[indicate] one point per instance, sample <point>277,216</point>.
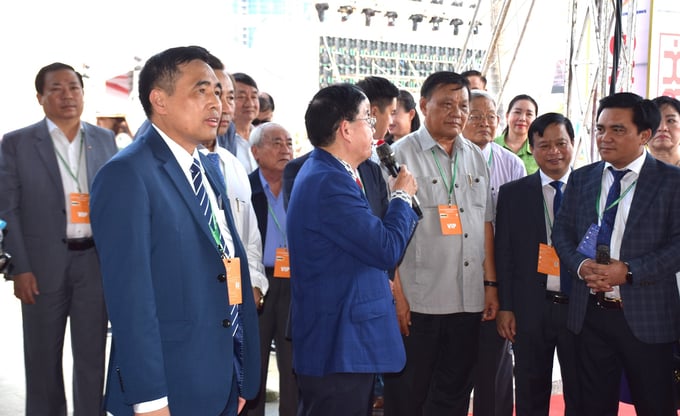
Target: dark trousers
<point>273,319</point>
<point>81,301</point>
<point>340,394</point>
<point>493,392</point>
<point>441,352</point>
<point>606,345</point>
<point>534,350</point>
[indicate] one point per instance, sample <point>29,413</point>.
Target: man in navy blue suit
<point>618,232</point>
<point>176,277</point>
<point>344,325</point>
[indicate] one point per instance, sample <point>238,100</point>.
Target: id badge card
<point>282,263</point>
<point>80,208</point>
<point>548,261</point>
<point>449,219</point>
<point>234,291</point>
<point>589,241</point>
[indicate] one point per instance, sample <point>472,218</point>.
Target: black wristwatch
<point>629,274</point>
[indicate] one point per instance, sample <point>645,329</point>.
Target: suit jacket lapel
<point>592,188</point>
<point>536,205</point>
<point>174,171</point>
<point>259,200</point>
<point>645,192</point>
<point>45,149</point>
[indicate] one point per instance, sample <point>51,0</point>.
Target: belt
<point>79,244</point>
<point>557,297</point>
<point>603,303</point>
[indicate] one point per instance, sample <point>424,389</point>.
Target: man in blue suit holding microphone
<point>343,321</point>
<point>176,280</point>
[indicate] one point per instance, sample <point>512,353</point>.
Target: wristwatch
<point>629,274</point>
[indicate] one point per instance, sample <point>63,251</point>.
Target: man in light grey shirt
<point>440,288</point>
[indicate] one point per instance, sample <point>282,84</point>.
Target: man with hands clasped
<point>618,233</point>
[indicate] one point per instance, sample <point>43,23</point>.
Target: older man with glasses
<point>493,393</point>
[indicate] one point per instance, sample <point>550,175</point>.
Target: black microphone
<point>602,254</point>
<point>387,159</point>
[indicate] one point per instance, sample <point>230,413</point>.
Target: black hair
<point>162,69</point>
<point>474,73</point>
<point>539,125</point>
<point>53,67</point>
<point>646,114</point>
<point>406,100</point>
<point>665,100</point>
<point>442,78</point>
<point>512,103</point>
<point>266,101</point>
<point>380,91</point>
<point>245,79</point>
<point>328,108</point>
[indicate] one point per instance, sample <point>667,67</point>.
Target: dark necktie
<point>557,200</point>
<point>565,277</point>
<point>604,236</point>
<point>204,202</point>
<point>214,159</point>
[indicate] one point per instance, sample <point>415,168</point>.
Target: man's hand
<point>26,287</point>
<point>505,325</point>
<point>403,308</point>
<point>405,181</point>
<point>491,304</point>
<point>241,404</point>
<point>160,412</point>
<point>259,298</point>
<point>602,277</point>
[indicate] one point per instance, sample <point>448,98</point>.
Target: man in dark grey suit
<point>46,171</point>
<point>618,232</point>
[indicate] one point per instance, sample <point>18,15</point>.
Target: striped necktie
<point>234,318</point>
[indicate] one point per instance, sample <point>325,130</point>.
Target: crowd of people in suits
<point>459,268</point>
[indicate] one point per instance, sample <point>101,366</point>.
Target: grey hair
<point>482,94</point>
<point>257,134</point>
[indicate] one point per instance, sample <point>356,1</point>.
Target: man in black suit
<point>272,148</point>
<point>624,306</point>
<point>533,291</point>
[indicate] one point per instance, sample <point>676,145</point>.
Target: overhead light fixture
<point>456,22</point>
<point>437,2</point>
<point>321,10</point>
<point>436,20</point>
<point>391,17</point>
<point>346,12</point>
<point>416,18</point>
<point>368,13</point>
<point>457,4</point>
<point>475,27</point>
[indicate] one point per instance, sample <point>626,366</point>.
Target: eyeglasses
<point>477,118</point>
<point>279,144</point>
<point>370,120</point>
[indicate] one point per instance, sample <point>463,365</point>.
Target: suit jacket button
<point>226,323</point>
<point>222,277</point>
